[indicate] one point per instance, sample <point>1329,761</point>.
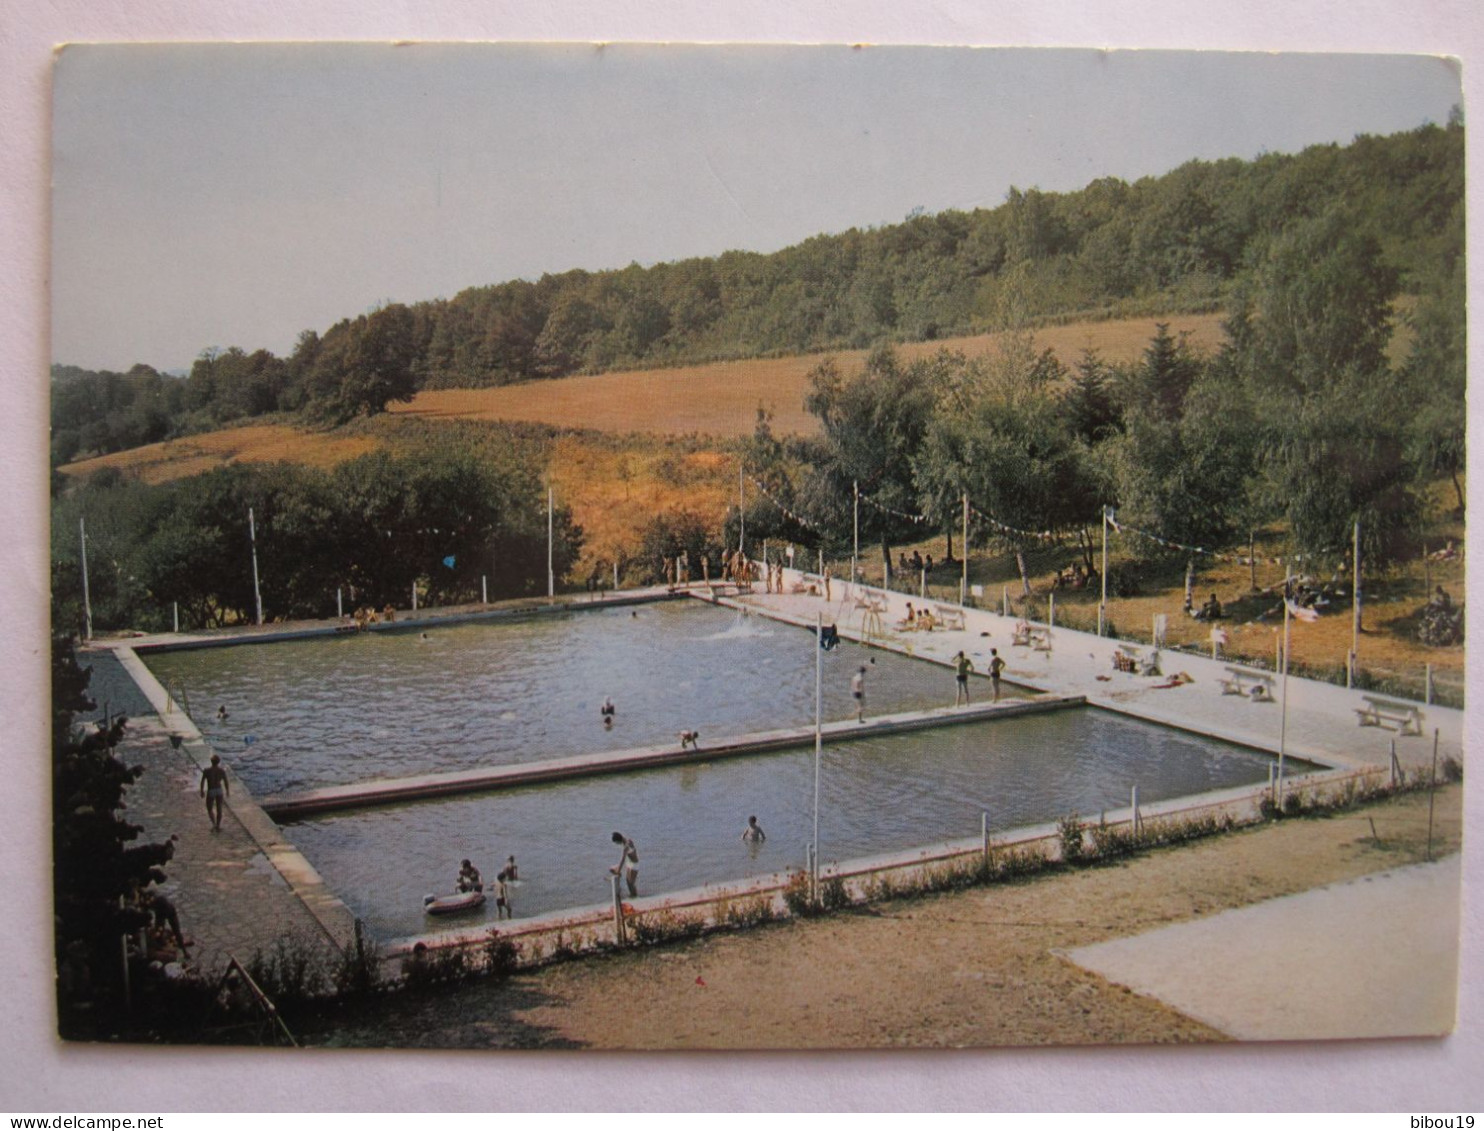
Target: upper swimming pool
<point>344,709</point>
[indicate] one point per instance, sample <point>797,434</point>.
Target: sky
<point>216,195</point>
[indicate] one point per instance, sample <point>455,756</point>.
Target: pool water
<point>344,709</point>
<point>876,795</point>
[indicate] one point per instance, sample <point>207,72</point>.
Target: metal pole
<point>855,551</point>
<point>1134,805</point>
<point>1355,624</point>
<point>87,602</point>
<point>339,603</point>
<point>818,734</point>
<point>1103,598</point>
<point>175,606</point>
<point>1427,687</point>
<point>619,931</point>
<point>1051,610</point>
<point>484,588</point>
<point>252,533</point>
<point>963,581</point>
<point>1283,722</point>
<point>414,596</point>
<point>1432,790</point>
<point>550,575</point>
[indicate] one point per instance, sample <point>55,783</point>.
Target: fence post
<point>1427,686</point>
<point>1004,600</point>
<point>1134,804</point>
<point>414,596</point>
<point>1432,789</point>
<point>339,604</point>
<point>620,930</point>
<point>1396,766</point>
<point>1051,610</point>
<point>484,589</point>
<point>176,605</point>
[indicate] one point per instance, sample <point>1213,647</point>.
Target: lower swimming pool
<point>877,795</point>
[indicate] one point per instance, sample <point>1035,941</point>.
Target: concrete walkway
<point>1322,725</point>
<point>239,891</point>
<point>1374,957</point>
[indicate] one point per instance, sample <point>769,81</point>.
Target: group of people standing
<point>471,881</point>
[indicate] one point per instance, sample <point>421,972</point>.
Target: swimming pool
<point>877,795</point>
<point>344,709</point>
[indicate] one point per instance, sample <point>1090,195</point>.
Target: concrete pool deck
<point>241,889</point>
<point>1322,722</point>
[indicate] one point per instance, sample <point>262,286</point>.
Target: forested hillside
<point>1188,240</point>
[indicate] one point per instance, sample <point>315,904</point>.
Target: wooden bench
<point>1255,685</point>
<point>1379,712</point>
<point>951,619</point>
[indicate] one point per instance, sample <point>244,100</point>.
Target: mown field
<point>722,399</point>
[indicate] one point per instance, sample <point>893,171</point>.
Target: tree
<point>1093,414</point>
<point>873,425</point>
<point>1308,336</point>
<point>360,367</point>
<point>1434,377</point>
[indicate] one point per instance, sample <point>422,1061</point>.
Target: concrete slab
<point>1375,957</point>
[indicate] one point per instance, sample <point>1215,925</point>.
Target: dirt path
<point>966,969</point>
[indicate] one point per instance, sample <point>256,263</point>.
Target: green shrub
<point>501,956</point>
<point>1073,847</point>
<point>359,971</point>
<point>797,895</point>
<point>833,894</point>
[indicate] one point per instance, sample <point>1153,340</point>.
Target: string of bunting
<point>788,512</point>
<point>1006,528</point>
<point>919,518</point>
<point>1169,543</point>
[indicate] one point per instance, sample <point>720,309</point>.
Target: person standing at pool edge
<point>628,863</point>
<point>858,689</point>
<point>963,666</point>
<point>996,666</point>
<point>215,787</point>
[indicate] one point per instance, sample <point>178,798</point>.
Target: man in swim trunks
<point>858,690</point>
<point>964,666</point>
<point>753,833</point>
<point>628,863</point>
<point>996,666</point>
<point>215,787</point>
